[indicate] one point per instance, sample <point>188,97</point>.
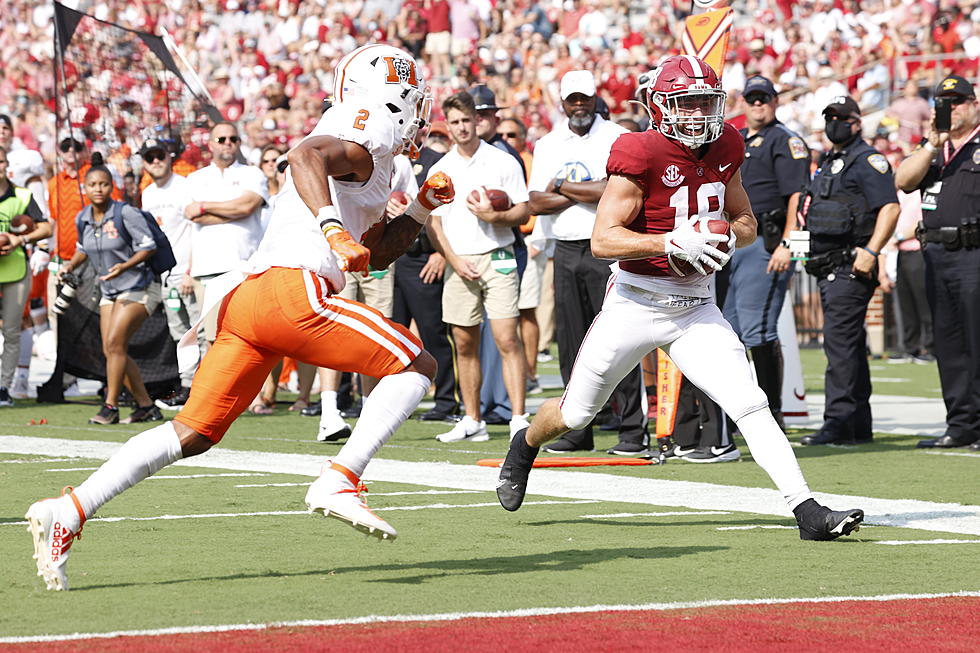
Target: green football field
<point>225,539</point>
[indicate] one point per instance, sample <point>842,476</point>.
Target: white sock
<point>26,346</point>
<point>390,404</point>
<point>328,401</point>
<point>771,450</point>
<point>140,457</point>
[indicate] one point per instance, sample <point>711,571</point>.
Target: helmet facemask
<point>694,116</point>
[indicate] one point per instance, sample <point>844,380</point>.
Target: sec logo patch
<point>672,176</point>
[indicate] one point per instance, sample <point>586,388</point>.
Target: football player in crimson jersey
<point>661,182</point>
<point>327,219</point>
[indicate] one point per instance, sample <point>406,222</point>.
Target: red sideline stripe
<point>943,625</point>
<point>570,462</point>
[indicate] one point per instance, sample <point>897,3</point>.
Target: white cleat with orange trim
<point>337,494</point>
<point>53,537</point>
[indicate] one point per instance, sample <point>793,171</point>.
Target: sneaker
<point>545,356</point>
<point>533,387</point>
<point>713,454</point>
<point>107,415</point>
<point>52,539</point>
<point>561,445</point>
<point>629,449</point>
<point>512,482</point>
<point>518,423</point>
<point>175,401</point>
<point>677,451</point>
<point>466,429</point>
<point>923,359</point>
<point>143,414</point>
<point>332,428</point>
<point>313,410</point>
<point>353,411</point>
<point>900,358</point>
<point>22,387</point>
<point>5,400</point>
<point>818,522</point>
<point>337,494</point>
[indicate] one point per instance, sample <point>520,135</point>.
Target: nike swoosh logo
<point>724,167</point>
<point>674,244</point>
<point>799,395</point>
<point>718,450</point>
<point>514,486</point>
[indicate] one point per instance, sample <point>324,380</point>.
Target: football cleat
<point>466,429</point>
<point>53,539</point>
<point>337,494</point>
<point>818,522</point>
<point>332,427</point>
<point>512,482</point>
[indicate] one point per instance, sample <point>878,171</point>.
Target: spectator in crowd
<point>15,277</point>
<point>567,181</point>
<point>226,202</point>
<point>943,169</point>
<point>130,291</point>
<point>477,243</point>
<point>910,284</point>
<point>851,210</point>
<point>438,38</point>
<point>165,199</point>
<point>912,112</point>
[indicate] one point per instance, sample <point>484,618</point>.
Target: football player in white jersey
<point>327,220</point>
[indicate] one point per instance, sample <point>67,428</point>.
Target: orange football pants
<point>287,312</point>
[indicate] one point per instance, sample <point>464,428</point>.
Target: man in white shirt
<point>227,201</point>
<point>165,199</point>
<point>477,242</point>
<point>567,180</point>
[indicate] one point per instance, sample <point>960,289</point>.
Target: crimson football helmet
<point>686,101</point>
<point>385,76</point>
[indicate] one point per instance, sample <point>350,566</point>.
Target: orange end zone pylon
<point>570,462</point>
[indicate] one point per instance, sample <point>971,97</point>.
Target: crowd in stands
<point>269,63</point>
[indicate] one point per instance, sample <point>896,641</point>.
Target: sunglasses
<point>222,139</point>
<point>153,157</point>
<point>264,161</point>
<point>71,145</point>
<point>509,134</point>
<point>760,98</point>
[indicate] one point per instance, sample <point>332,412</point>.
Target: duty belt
<point>966,236</point>
<point>821,265</point>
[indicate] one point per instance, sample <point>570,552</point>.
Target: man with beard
<point>566,183</point>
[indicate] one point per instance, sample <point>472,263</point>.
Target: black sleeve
<point>34,211</point>
<point>931,177</point>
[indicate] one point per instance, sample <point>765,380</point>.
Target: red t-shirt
<point>438,16</point>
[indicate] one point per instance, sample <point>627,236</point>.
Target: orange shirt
<point>65,200</point>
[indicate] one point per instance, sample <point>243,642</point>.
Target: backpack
<point>163,259</point>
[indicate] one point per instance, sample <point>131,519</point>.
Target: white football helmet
<point>387,76</point>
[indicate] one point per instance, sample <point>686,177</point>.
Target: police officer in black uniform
<point>850,209</point>
<point>946,168</point>
<point>776,169</point>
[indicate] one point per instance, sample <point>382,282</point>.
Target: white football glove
<point>696,248</point>
<point>39,261</point>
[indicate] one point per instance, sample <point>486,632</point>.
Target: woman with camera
<point>130,291</point>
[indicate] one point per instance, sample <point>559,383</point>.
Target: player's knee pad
<point>575,416</point>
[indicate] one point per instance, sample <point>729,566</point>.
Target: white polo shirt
<point>563,153</point>
<point>490,167</point>
<point>166,203</point>
<point>218,248</point>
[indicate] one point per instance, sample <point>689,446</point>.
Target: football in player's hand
<point>21,224</point>
<point>680,268</point>
<point>499,199</point>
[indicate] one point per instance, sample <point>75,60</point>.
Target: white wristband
<point>417,212</point>
<point>929,147</point>
<point>327,215</point>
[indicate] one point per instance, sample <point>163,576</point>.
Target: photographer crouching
<point>946,168</point>
<point>130,291</point>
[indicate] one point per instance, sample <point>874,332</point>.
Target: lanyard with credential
<point>947,146</point>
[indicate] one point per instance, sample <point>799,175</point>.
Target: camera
<point>66,292</point>
<point>944,111</point>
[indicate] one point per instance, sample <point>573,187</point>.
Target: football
<point>21,224</point>
<point>499,200</point>
<point>679,268</point>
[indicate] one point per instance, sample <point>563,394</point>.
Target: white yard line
<point>679,513</point>
<point>565,484</point>
<point>965,454</point>
<point>454,616</point>
<point>900,542</point>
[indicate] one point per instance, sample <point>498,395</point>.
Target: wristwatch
<point>785,243</point>
<point>558,183</point>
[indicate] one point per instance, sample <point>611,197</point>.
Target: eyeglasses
<point>69,145</point>
<point>509,134</point>
<point>153,157</point>
<point>264,161</point>
<point>760,98</point>
<point>220,140</point>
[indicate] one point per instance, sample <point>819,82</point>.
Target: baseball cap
<point>955,85</point>
<point>759,84</point>
<point>483,97</point>
<point>843,106</point>
<point>577,81</point>
<point>439,127</point>
<point>152,145</point>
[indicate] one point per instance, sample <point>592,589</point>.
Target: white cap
<point>24,164</point>
<point>577,81</point>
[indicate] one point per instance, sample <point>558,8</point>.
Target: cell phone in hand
<point>943,114</point>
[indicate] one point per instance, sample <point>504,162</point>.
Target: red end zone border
<point>947,624</point>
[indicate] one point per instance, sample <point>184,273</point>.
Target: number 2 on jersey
<point>710,203</point>
<point>362,115</point>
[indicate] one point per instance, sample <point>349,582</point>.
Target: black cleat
<point>512,484</point>
<point>821,523</point>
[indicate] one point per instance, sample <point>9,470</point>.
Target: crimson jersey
<point>677,185</point>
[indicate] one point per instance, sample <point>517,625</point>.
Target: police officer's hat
<point>843,106</point>
<point>955,85</point>
<point>759,84</point>
<point>483,97</point>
